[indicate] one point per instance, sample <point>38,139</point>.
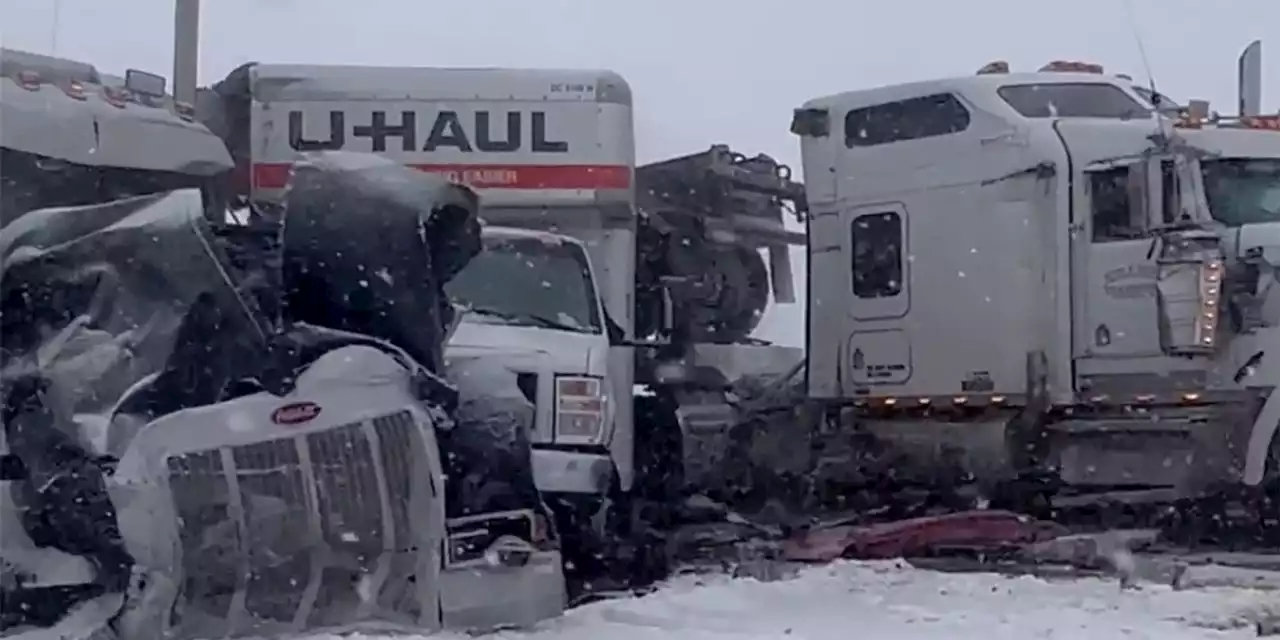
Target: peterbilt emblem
<point>295,413</point>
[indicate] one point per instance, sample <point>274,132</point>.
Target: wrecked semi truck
<point>672,253</point>
<point>1045,282</point>
<point>181,462</point>
<point>70,139</point>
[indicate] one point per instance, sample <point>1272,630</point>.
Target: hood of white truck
<point>532,347</point>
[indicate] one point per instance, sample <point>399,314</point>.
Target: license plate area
<point>469,537</point>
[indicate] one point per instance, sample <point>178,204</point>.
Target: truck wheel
<point>657,491</point>
<point>581,546</point>
<point>1269,497</point>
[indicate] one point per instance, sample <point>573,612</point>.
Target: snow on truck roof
<point>1235,142</point>
<point>973,85</point>
<point>343,82</point>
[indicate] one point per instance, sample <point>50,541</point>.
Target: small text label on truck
<point>295,413</point>
<point>447,130</point>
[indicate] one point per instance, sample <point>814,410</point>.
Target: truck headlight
<point>580,408</point>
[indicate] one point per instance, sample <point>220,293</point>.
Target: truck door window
<point>1113,211</point>
<point>936,115</point>
<point>877,241</point>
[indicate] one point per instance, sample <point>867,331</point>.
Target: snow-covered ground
<point>892,601</point>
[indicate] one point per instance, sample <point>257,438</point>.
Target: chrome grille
<point>299,532</point>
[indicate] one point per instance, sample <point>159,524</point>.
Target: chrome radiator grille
<point>299,532</point>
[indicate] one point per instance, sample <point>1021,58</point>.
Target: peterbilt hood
<point>535,347</point>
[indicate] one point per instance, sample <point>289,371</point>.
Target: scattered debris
<point>986,532</point>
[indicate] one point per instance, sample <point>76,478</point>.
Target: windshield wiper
<point>524,318</point>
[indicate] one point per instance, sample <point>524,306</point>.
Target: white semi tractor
<point>1045,275</point>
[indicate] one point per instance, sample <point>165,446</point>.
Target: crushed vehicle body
<point>258,473</point>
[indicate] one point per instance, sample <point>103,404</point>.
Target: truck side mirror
<point>611,328</point>
<point>811,123</point>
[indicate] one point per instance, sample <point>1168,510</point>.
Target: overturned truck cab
<point>264,472</point>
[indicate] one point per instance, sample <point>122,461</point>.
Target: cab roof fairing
<point>979,90</point>
<point>46,121</point>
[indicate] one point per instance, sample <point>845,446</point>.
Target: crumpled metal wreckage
<point>181,463</point>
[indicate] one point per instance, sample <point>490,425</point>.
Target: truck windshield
<point>530,281</point>
<point>1243,191</point>
<point>1073,100</point>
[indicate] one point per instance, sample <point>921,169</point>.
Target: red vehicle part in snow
<point>989,531</point>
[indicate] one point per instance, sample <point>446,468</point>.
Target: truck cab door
<point>878,352</point>
<point>1115,308</point>
<point>1117,304</point>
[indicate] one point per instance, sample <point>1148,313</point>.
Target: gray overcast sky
<point>703,71</point>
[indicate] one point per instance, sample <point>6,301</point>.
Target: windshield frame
<point>593,323</point>
<point>1167,104</point>
<point>1219,205</point>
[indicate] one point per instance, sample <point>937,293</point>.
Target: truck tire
<point>581,547</point>
<point>658,487</point>
<point>1269,500</point>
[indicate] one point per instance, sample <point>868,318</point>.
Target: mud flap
<point>705,428</point>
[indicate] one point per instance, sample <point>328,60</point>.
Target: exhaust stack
<point>1249,82</point>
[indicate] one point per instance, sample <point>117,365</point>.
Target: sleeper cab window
<point>877,243</point>
<point>912,119</point>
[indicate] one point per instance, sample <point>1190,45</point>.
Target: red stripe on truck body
<point>275,175</point>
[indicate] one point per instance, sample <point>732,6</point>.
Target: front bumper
<point>478,599</point>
